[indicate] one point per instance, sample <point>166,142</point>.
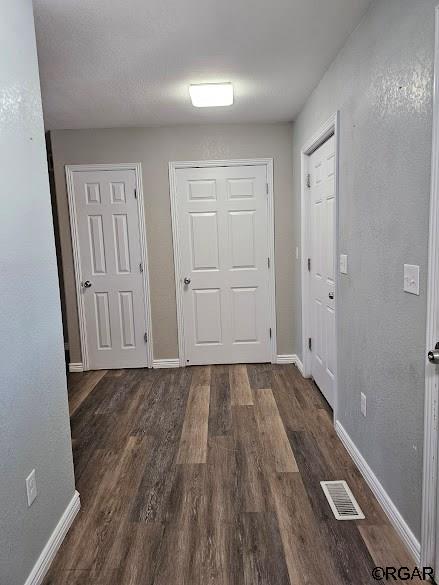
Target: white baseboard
<point>299,365</point>
<point>290,359</point>
<point>49,551</point>
<point>167,363</point>
<point>381,495</point>
<point>76,367</point>
<point>175,363</point>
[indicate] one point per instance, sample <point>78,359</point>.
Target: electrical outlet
<point>31,487</point>
<point>363,404</point>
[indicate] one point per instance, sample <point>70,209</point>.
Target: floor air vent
<point>341,500</point>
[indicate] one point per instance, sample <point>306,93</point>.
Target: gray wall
<point>34,422</point>
<point>154,148</point>
<point>382,84</point>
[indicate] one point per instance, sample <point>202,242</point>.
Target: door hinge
<point>135,193</point>
<point>268,262</point>
<point>309,343</point>
<point>266,188</point>
<point>145,337</point>
<point>270,332</point>
<point>308,180</point>
<point>309,264</point>
<point>141,267</point>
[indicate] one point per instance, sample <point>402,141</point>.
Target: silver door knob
<point>186,280</point>
<point>87,284</point>
<point>331,295</point>
<point>433,356</point>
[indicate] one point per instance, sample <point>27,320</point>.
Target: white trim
<point>137,168</point>
<point>430,471</point>
<point>381,495</point>
<point>280,359</point>
<point>329,128</point>
<point>173,166</point>
<point>299,365</point>
<point>271,253</point>
<point>76,367</point>
<point>290,359</point>
<point>177,263</point>
<point>166,363</point>
<point>145,263</point>
<point>46,557</point>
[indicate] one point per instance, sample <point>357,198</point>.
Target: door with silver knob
<point>112,311</point>
<point>433,355</point>
<point>225,263</point>
<point>322,203</point>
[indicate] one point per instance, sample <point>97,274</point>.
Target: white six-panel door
<point>112,286</point>
<point>322,228</point>
<point>224,257</point>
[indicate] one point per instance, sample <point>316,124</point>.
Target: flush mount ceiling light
<point>209,95</point>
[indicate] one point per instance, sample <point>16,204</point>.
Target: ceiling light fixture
<point>209,95</point>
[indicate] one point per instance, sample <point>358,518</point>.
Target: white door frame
<point>430,471</point>
<point>173,166</point>
<point>137,168</point>
<point>329,128</point>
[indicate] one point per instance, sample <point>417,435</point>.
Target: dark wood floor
<point>210,475</point>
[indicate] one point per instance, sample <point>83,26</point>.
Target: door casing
<point>329,128</point>
<point>173,166</point>
<point>137,168</point>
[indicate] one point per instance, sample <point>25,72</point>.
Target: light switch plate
<point>411,279</point>
<point>343,263</point>
<point>31,487</point>
<point>363,404</point>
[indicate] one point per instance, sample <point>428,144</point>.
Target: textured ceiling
<point>107,63</point>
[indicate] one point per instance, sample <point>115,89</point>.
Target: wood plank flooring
<point>210,476</point>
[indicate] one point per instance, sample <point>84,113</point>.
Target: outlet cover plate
<point>343,264</point>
